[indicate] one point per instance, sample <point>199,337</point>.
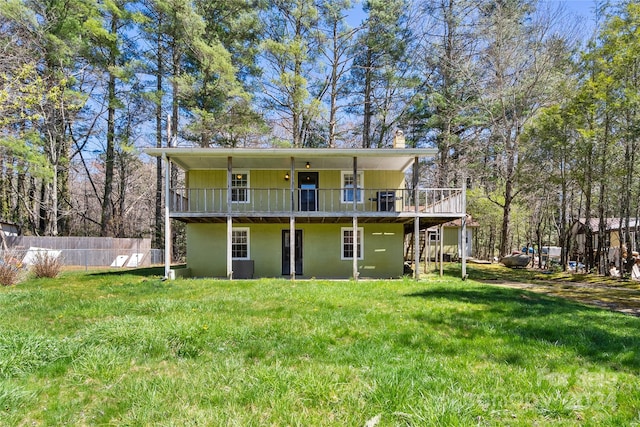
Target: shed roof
<point>609,223</point>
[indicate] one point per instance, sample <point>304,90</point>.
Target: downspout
<point>167,220</point>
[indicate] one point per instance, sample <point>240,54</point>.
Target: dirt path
<point>618,298</point>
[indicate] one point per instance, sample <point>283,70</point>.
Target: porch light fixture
<point>308,165</point>
<point>286,176</point>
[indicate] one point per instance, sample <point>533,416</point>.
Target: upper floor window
<point>240,187</point>
<point>351,188</point>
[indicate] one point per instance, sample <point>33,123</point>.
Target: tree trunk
<point>64,194</point>
<point>42,210</point>
<point>297,119</point>
<point>157,237</point>
<point>32,197</point>
<point>333,107</point>
<point>19,211</point>
<point>53,219</point>
<point>508,197</point>
<point>588,235</point>
<point>629,162</point>
<point>492,241</point>
<point>565,230</point>
<point>122,197</point>
<point>107,212</point>
<point>4,190</point>
<point>366,116</point>
<point>173,137</point>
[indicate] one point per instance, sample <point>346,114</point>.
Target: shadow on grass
<point>595,334</point>
<point>143,272</point>
<point>490,272</point>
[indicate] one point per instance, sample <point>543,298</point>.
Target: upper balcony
<point>211,204</point>
<point>308,184</point>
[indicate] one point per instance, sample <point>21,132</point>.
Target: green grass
<point>616,294</point>
<point>129,349</point>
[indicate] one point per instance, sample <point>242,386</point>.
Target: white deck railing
<point>263,201</point>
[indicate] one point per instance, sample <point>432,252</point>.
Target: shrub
<point>11,268</point>
<point>46,264</point>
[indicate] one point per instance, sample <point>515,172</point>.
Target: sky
<point>581,7</point>
<point>583,10</point>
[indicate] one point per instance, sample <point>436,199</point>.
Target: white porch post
<point>229,247</point>
<point>441,250</point>
<point>167,220</point>
<point>355,248</point>
<point>464,228</point>
<point>355,219</point>
<point>427,256</point>
<point>416,221</point>
<point>229,220</point>
<point>292,223</point>
<point>416,246</point>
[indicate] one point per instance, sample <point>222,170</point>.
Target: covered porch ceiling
<point>407,220</point>
<point>399,159</point>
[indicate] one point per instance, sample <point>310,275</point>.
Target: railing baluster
<point>436,201</point>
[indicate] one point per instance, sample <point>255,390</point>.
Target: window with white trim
<point>240,187</point>
<point>347,243</point>
<point>348,187</point>
<point>240,243</point>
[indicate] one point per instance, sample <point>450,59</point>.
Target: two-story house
<point>323,213</point>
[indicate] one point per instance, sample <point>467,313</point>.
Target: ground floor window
<point>240,243</point>
<point>347,243</point>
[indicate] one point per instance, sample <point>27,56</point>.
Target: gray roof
<point>609,223</point>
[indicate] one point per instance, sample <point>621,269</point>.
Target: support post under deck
<point>167,220</point>
<point>355,219</point>
<point>416,221</point>
<point>292,225</point>
<point>229,220</point>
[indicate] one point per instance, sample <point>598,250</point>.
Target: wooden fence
<point>89,251</point>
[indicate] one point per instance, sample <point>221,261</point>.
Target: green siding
<point>450,243</point>
<point>207,178</point>
<point>206,250</point>
<point>206,243</point>
<point>383,179</point>
<point>269,191</point>
<point>376,180</point>
<point>383,250</point>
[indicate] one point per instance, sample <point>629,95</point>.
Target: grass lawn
<point>129,349</point>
